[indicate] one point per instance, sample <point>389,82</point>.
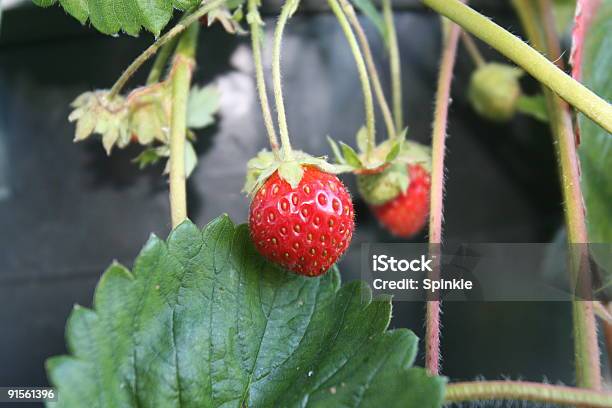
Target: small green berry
<point>494,91</point>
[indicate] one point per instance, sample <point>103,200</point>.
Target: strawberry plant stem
<point>369,60</point>
<point>447,63</point>
<point>286,12</point>
<point>586,348</point>
<point>184,60</point>
<point>161,60</point>
<point>526,391</point>
<point>254,20</point>
<point>153,48</point>
<point>363,75</point>
<point>395,66</point>
<point>529,59</point>
<point>472,49</point>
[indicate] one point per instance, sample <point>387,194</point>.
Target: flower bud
<point>494,91</point>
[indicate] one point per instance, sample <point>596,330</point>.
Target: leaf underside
<point>112,16</point>
<point>204,321</point>
<point>596,144</point>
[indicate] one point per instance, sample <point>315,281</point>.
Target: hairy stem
<point>472,49</point>
<point>395,66</point>
<point>526,391</point>
<point>184,60</point>
<point>153,48</point>
<point>287,11</point>
<point>254,20</point>
<point>363,75</point>
<point>542,35</point>
<point>369,59</point>
<point>529,59</point>
<point>447,63</point>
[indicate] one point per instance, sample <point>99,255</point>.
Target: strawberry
<point>303,229</point>
<point>406,214</point>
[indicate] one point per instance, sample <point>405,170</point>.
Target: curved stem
<point>255,23</point>
<point>363,75</point>
<point>526,391</point>
<point>395,67</point>
<point>527,58</point>
<point>472,49</point>
<point>369,60</point>
<point>180,82</point>
<point>149,52</point>
<point>287,11</point>
<point>447,63</point>
<point>540,31</point>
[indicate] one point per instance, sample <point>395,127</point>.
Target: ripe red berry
<point>406,214</point>
<point>304,229</point>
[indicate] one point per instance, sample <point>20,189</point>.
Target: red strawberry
<point>406,214</point>
<point>304,229</point>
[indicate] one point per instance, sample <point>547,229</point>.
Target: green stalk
<point>447,63</point>
<point>526,391</point>
<point>472,49</point>
<point>363,75</point>
<point>395,67</point>
<point>180,80</point>
<point>586,348</point>
<point>153,48</point>
<point>529,59</point>
<point>369,59</point>
<point>286,12</point>
<point>254,20</point>
<point>160,61</point>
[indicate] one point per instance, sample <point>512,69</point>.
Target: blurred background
<point>67,210</point>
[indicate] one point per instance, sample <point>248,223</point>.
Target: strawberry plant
<point>254,315</point>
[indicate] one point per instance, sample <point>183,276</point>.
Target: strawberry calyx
<point>382,175</point>
<point>291,169</point>
<point>384,186</point>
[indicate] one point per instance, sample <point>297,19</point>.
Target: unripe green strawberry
<point>303,229</point>
<point>494,91</point>
<point>378,188</point>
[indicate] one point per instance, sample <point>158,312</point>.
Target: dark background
<point>67,210</point>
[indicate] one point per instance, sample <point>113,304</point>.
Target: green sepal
<point>362,139</point>
<point>382,187</point>
<point>534,106</point>
<point>350,156</point>
<point>379,188</point>
<point>262,166</point>
<point>336,150</point>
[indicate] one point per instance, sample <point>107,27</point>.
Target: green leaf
<point>368,8</point>
<point>112,16</point>
<point>350,156</point>
<point>596,144</point>
<point>204,321</point>
<point>202,105</point>
<point>534,106</point>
